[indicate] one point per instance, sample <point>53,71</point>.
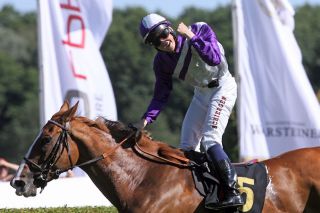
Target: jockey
<point>195,56</point>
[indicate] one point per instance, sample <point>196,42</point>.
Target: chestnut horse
<point>134,182</point>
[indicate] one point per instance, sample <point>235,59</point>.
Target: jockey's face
<point>167,44</point>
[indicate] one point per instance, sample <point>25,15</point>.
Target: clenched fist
<point>185,31</point>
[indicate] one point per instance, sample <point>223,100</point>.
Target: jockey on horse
<point>194,55</point>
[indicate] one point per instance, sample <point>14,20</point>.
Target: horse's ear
<point>71,112</point>
<point>65,106</point>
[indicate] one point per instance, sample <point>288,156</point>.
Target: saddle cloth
<point>252,179</point>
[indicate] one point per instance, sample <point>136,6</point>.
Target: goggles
<point>160,32</point>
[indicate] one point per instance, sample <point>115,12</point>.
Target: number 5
<point>249,192</point>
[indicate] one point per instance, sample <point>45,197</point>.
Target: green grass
<point>63,210</point>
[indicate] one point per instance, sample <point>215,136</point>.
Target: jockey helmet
<point>151,26</point>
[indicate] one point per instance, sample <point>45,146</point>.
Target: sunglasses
<point>158,34</point>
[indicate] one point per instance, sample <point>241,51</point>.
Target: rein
<point>49,163</point>
<point>186,162</point>
<point>104,155</point>
<point>100,157</point>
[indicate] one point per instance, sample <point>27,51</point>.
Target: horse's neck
<point>119,173</point>
<point>125,178</point>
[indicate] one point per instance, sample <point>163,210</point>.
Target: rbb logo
<point>74,40</point>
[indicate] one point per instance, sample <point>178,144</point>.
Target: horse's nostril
<point>19,183</point>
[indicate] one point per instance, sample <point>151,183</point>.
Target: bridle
<point>43,171</point>
<point>47,168</point>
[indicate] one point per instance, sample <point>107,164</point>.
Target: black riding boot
<point>228,178</point>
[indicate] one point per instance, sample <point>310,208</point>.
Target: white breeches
<point>208,115</point>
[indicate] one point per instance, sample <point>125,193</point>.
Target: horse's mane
<point>113,124</point>
<point>120,127</point>
<point>118,130</point>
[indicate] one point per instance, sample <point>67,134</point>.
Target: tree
<point>18,83</point>
<point>129,63</point>
<point>307,32</point>
<point>18,109</point>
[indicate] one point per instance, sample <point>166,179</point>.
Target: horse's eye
<point>46,139</point>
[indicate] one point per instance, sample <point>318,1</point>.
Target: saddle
<point>252,176</point>
<point>252,180</point>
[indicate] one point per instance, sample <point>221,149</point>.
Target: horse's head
<point>52,152</point>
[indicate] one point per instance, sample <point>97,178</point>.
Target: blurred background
<point>129,63</point>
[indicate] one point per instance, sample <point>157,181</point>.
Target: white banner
<point>277,108</point>
<point>70,35</point>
